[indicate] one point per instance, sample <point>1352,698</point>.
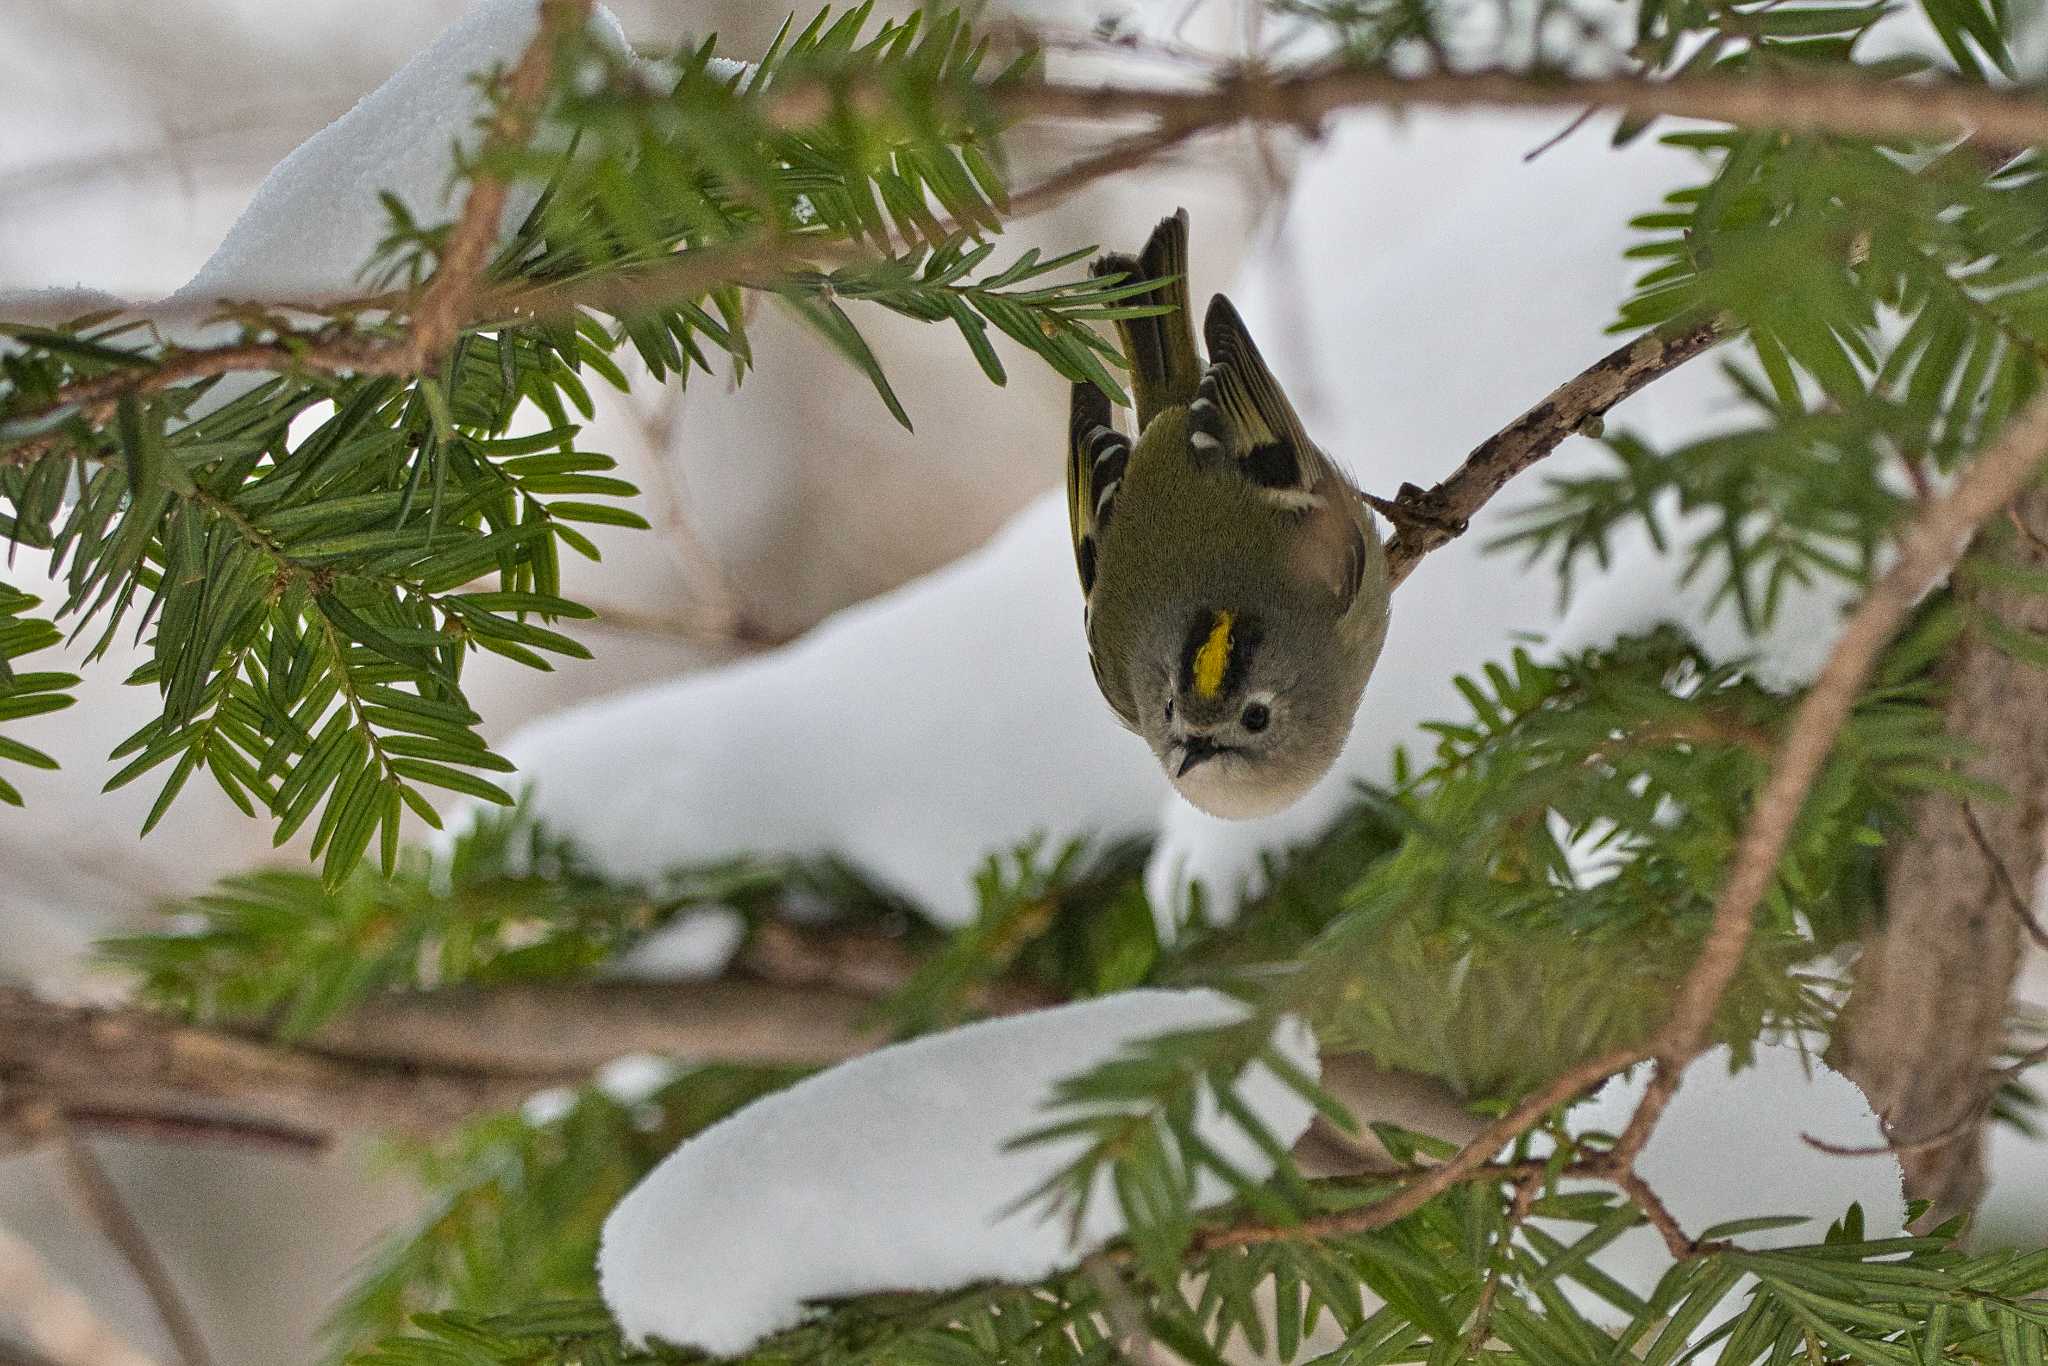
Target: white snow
<point>633,1078</point>
<point>316,218</point>
<point>694,945</point>
<point>543,1108</point>
<point>912,735</point>
<point>889,1172</point>
<point>1642,589</point>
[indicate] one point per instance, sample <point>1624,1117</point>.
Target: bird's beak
<point>1196,749</point>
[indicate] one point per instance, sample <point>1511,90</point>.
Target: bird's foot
<point>1418,509</point>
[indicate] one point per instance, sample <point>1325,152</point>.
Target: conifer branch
<point>1927,549</point>
<point>445,305</point>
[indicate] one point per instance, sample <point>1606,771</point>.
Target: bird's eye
<point>1256,717</point>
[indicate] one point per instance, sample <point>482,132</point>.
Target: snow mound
<point>889,1172</point>
<point>911,735</point>
<point>317,217</point>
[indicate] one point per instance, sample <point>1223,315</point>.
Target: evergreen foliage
<point>313,557</point>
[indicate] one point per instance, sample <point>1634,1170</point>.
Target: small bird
<point>1236,587</point>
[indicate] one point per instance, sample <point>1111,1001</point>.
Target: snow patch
<point>889,1172</point>
<point>691,947</point>
<point>910,735</point>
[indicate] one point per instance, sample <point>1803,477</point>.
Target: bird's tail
<point>1165,368</point>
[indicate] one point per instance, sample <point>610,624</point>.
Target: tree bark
<point>1933,987</point>
<point>412,1064</point>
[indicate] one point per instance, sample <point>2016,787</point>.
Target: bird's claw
<point>1417,509</point>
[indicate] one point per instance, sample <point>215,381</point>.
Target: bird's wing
<point>1242,423</point>
<point>1097,454</point>
<point>1161,349</point>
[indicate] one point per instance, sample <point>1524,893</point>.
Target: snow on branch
<point>898,1171</point>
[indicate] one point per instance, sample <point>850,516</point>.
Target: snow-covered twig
<point>444,307</point>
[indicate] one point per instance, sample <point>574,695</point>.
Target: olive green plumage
<point>1236,587</point>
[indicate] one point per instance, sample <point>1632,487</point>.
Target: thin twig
<point>1677,1242</point>
<point>110,1213</point>
<point>1948,1133</point>
<point>1446,509</point>
<point>1526,1191</point>
<point>2033,1057</point>
<point>1584,116</point>
<point>59,1323</point>
<point>1469,1163</point>
<point>2003,876</point>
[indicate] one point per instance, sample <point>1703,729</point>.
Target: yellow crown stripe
<point>1213,658</point>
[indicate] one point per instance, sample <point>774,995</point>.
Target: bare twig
<point>1962,1125</point>
<point>1470,1163</point>
<point>102,1200</point>
<point>1526,1191</point>
<point>1798,102</point>
<point>2003,875</point>
<point>1676,1241</point>
<point>1446,508</point>
<point>415,1063</point>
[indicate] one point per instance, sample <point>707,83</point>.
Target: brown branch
<point>1928,1017</point>
<point>1470,1163</point>
<point>2007,885</point>
<point>102,1200</point>
<point>1931,544</point>
<point>1526,1191</point>
<point>1447,508</point>
<point>1809,101</point>
<point>408,1063</point>
<point>548,1032</point>
<point>1795,101</point>
<point>1677,1242</point>
<point>445,306</point>
<point>1960,1126</point>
